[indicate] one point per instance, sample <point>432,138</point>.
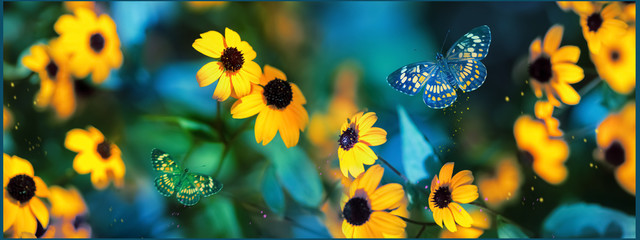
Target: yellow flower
<point>66,203</point>
<point>367,209</point>
<point>565,5</point>
<point>204,5</point>
<point>97,156</point>
<point>278,104</point>
<point>616,63</point>
<point>356,137</point>
<point>543,111</point>
<point>502,187</point>
<point>545,153</point>
<point>73,5</point>
<point>92,43</point>
<point>599,24</point>
<point>447,193</point>
<point>616,138</point>
<point>481,222</point>
<point>235,70</point>
<point>21,197</point>
<point>7,117</point>
<point>56,85</point>
<point>324,126</point>
<point>629,12</point>
<point>552,69</point>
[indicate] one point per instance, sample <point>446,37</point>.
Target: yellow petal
<point>271,73</point>
<point>40,211</point>
<point>64,98</point>
<point>567,94</point>
<point>366,121</point>
<point>437,215</point>
<point>41,187</point>
<point>537,89</point>
<point>300,114</point>
<point>232,39</point>
<point>460,215</point>
<point>247,51</point>
<point>297,94</point>
<point>78,140</point>
<point>209,73</point>
<point>345,162</point>
<point>210,44</point>
<point>465,194</point>
<point>371,178</point>
<point>445,173</point>
<point>387,223</point>
<point>374,137</point>
<point>366,155</point>
<point>241,86</point>
<point>461,178</point>
<point>100,72</point>
<point>223,89</point>
<point>248,106</point>
<point>447,218</point>
<point>535,49</point>
<point>25,222</point>
<point>347,229</point>
<point>611,11</point>
<point>387,197</point>
<point>99,179</point>
<point>20,166</point>
<point>269,122</point>
<point>251,71</point>
<point>288,130</point>
<point>356,168</point>
<point>543,109</point>
<point>10,212</point>
<point>552,39</point>
<point>566,54</point>
<point>568,72</point>
<point>37,60</point>
<point>85,162</point>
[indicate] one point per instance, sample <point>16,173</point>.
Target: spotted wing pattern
<point>438,93</point>
<point>472,46</point>
<point>410,78</point>
<point>469,75</point>
<point>208,185</point>
<point>166,183</point>
<point>189,191</point>
<point>162,162</point>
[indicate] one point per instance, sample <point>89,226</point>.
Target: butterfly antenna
<point>445,40</point>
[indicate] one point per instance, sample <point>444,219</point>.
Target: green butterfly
<point>188,186</point>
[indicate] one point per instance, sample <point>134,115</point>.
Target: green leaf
<point>611,99</point>
<point>588,220</point>
<point>197,128</point>
<point>418,157</point>
<point>272,192</point>
<point>205,159</point>
<point>508,230</point>
<point>217,220</point>
<point>296,173</point>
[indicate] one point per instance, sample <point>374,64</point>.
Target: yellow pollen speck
<point>14,97</point>
<point>596,166</point>
<point>532,188</point>
<point>573,137</point>
<point>541,199</point>
<point>12,85</point>
<point>596,131</point>
<point>590,164</point>
<point>467,108</point>
<point>509,194</point>
<point>585,140</point>
<point>521,93</point>
<point>506,98</point>
<point>535,177</point>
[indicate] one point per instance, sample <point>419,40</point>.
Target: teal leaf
<point>611,99</point>
<point>296,173</point>
<point>272,192</point>
<point>588,220</point>
<point>508,230</point>
<point>418,157</point>
<point>197,128</point>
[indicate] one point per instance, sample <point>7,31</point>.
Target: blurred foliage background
<point>329,49</point>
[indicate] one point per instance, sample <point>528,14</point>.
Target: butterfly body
<point>187,186</point>
<point>461,68</point>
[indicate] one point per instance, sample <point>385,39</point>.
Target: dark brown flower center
<point>52,69</point>
<point>22,188</point>
<point>348,138</point>
<point>594,22</point>
<point>614,154</point>
<point>232,59</point>
<point>526,158</point>
<point>540,69</point>
<point>357,211</point>
<point>79,220</point>
<point>442,197</point>
<point>278,93</point>
<point>104,149</point>
<point>96,42</point>
<point>615,55</point>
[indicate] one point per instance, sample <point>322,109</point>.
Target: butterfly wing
<point>162,162</point>
<point>208,185</point>
<point>472,46</point>
<point>410,78</point>
<point>166,183</point>
<point>438,93</point>
<point>194,186</point>
<point>469,74</point>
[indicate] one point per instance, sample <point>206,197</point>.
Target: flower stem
<point>494,213</point>
<point>417,222</point>
<point>393,169</point>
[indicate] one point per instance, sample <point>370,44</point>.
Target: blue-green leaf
<point>588,220</point>
<point>296,173</point>
<point>508,230</point>
<point>418,157</point>
<point>272,192</point>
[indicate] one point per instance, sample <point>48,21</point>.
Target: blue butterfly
<point>461,67</point>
